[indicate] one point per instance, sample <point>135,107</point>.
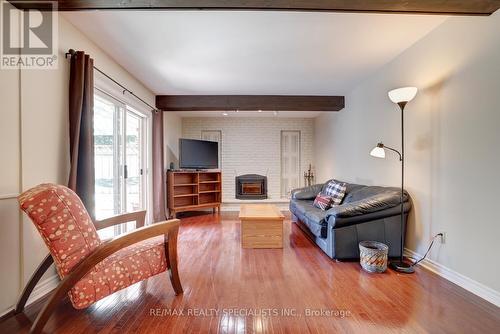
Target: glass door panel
<point>106,151</point>
<point>119,146</point>
<point>134,163</point>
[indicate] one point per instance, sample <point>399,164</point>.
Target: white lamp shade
<point>405,94</point>
<point>378,152</point>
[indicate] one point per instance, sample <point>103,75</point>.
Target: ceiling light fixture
<point>259,110</point>
<point>225,114</point>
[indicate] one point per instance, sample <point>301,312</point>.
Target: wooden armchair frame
<point>169,229</point>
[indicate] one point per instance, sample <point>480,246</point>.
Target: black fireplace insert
<point>251,186</point>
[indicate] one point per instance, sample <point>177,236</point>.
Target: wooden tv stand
<point>193,190</point>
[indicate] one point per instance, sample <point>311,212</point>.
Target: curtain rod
<point>72,52</point>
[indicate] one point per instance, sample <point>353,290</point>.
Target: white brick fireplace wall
<point>252,146</point>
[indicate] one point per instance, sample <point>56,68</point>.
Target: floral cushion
<point>122,269</point>
<point>63,222</point>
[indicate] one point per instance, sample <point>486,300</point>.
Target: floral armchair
<point>91,269</point>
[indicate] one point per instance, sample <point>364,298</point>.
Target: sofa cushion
<point>120,270</point>
<point>300,207</point>
<point>315,221</point>
<point>310,216</point>
<point>63,222</point>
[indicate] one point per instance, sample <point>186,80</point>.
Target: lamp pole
<point>400,265</point>
<point>402,107</point>
<point>400,96</point>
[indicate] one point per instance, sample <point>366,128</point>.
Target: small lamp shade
<point>378,152</point>
<point>405,94</point>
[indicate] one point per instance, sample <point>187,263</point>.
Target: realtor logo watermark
<point>29,36</point>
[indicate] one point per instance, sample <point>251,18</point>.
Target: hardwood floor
<point>253,289</point>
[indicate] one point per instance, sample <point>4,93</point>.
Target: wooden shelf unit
<point>193,190</point>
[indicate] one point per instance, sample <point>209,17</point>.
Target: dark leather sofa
<point>366,213</point>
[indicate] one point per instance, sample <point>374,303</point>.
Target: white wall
<point>35,118</point>
<point>252,146</point>
<point>452,142</point>
<point>10,247</point>
<point>172,131</point>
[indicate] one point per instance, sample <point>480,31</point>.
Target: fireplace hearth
<point>251,186</point>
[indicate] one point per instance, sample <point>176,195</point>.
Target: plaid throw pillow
<point>323,202</point>
<point>336,191</point>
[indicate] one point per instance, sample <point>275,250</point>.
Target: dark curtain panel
<point>159,213</point>
<point>81,129</point>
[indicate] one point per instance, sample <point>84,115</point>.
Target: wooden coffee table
<point>261,226</point>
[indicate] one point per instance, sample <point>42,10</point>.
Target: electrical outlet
<point>442,237</point>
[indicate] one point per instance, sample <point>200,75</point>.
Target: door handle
<point>125,172</point>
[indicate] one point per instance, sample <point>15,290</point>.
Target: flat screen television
<point>198,154</point>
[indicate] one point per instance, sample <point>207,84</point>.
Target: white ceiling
<point>233,52</point>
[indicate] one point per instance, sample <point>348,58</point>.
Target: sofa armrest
<point>367,205</point>
<point>337,222</point>
<point>138,217</point>
<point>306,193</point>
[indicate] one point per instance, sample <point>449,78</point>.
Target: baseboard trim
<point>41,289</point>
<point>6,314</point>
<point>462,281</point>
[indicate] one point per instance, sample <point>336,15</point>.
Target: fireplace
<point>251,186</point>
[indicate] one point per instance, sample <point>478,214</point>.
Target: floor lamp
<point>401,97</point>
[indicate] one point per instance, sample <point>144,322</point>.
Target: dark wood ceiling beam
<point>249,102</point>
<point>448,7</point>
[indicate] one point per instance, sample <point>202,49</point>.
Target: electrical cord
<point>428,249</point>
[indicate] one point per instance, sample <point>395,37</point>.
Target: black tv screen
<point>198,154</point>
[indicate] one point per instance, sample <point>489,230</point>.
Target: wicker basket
<point>373,256</point>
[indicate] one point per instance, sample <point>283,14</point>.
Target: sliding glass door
<point>134,162</point>
<point>120,159</point>
<point>107,156</point>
